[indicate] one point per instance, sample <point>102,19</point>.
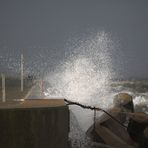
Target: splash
<point>86,72</point>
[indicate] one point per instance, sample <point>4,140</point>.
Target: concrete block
<point>39,123</point>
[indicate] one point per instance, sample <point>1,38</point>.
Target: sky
<point>50,23</point>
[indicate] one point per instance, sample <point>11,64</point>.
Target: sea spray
<point>84,76</point>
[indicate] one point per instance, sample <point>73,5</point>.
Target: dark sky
<point>49,23</point>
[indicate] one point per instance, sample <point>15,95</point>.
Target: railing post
<point>3,88</point>
<point>22,73</point>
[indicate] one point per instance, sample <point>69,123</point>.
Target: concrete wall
<point>44,127</point>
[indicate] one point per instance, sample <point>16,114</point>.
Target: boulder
<point>110,132</point>
<point>146,132</point>
<point>111,138</point>
<point>105,119</point>
<point>144,142</point>
<point>137,127</point>
<point>125,101</point>
<point>116,112</point>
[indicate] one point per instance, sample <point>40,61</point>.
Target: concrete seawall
<point>34,124</point>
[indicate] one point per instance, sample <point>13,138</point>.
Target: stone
<point>110,132</point>
<point>125,101</point>
<point>111,138</point>
<point>146,132</point>
<point>136,127</point>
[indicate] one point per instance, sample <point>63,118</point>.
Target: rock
<point>144,142</point>
<point>110,132</point>
<point>139,117</point>
<point>125,101</point>
<point>111,138</point>
<point>137,127</point>
<point>105,119</point>
<point>91,133</point>
<point>146,132</point>
<point>116,112</point>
